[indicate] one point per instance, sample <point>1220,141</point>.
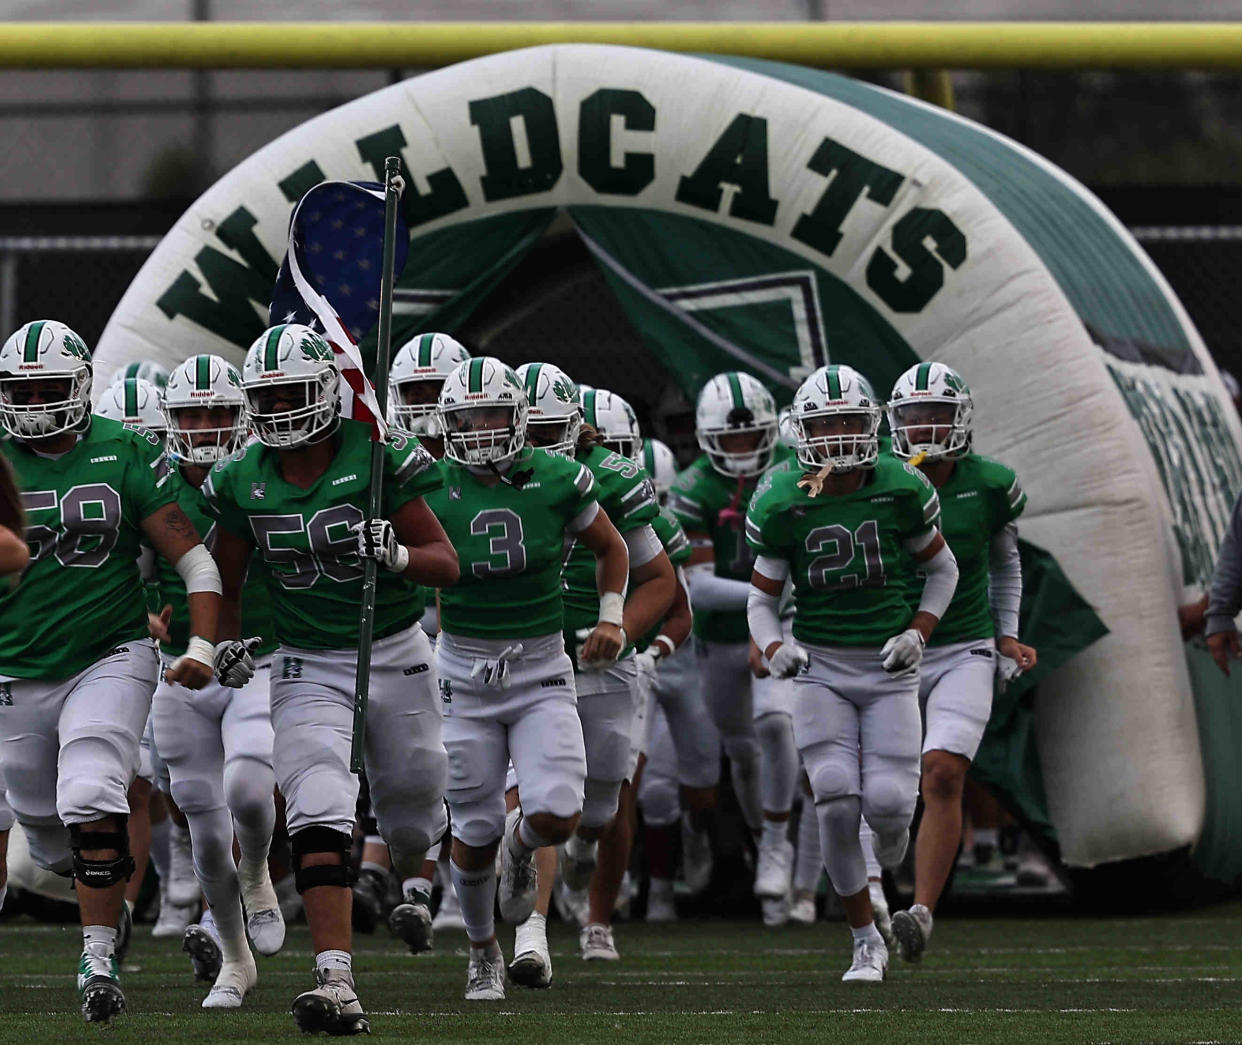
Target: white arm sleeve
<point>643,545</point>
<point>198,570</point>
<point>941,570</point>
<point>1005,580</point>
<point>709,592</point>
<point>761,616</point>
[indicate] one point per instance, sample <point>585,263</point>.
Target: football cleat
<point>182,883</point>
<point>173,918</point>
<point>332,1006</point>
<point>448,917</point>
<point>912,929</point>
<point>879,907</point>
<point>696,857</point>
<point>368,900</point>
<point>264,922</point>
<point>204,950</point>
<point>411,921</point>
<point>99,986</point>
<point>596,943</point>
<point>516,889</point>
<point>485,976</point>
<point>571,904</point>
<point>775,910</point>
<point>870,963</point>
<point>577,868</point>
<point>232,985</point>
<point>774,869</point>
<point>802,907</point>
<point>660,905</point>
<point>532,964</point>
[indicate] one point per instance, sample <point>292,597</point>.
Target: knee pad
<point>660,800</point>
<point>843,856</point>
<point>888,803</point>
<point>49,847</point>
<point>321,840</point>
<point>102,874</point>
<point>831,781</point>
<point>599,803</point>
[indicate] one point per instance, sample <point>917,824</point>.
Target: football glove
<point>902,653</point>
<point>1007,669</point>
<point>494,673</point>
<point>789,660</point>
<point>378,540</point>
<point>234,663</point>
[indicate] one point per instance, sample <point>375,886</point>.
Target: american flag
<point>330,280</point>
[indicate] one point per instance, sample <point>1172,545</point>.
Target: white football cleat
<point>264,922</point>
<point>183,887</point>
<point>802,907</point>
<point>597,944</point>
<point>448,917</point>
<point>912,929</point>
<point>203,947</point>
<point>775,910</point>
<point>485,977</point>
<point>660,904</point>
<point>516,888</point>
<point>774,870</point>
<point>870,963</point>
<point>577,866</point>
<point>173,920</point>
<point>411,921</point>
<point>573,905</point>
<point>332,1007</point>
<point>879,907</point>
<point>231,986</point>
<point>532,964</point>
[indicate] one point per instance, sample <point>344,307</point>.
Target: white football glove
<point>1007,669</point>
<point>378,540</point>
<point>902,653</point>
<point>580,637</point>
<point>234,664</point>
<point>495,672</point>
<point>789,660</point>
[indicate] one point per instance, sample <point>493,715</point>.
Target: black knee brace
<point>321,840</point>
<point>102,874</point>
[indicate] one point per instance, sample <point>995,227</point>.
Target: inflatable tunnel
<point>773,218</point>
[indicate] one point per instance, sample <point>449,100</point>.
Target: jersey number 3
<point>503,529</point>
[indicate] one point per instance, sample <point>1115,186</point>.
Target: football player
<point>78,666</point>
<point>844,532</point>
<point>143,369</point>
<point>299,493</point>
<point>507,683</point>
<point>14,557</point>
<point>736,426</point>
<point>930,413</point>
<point>415,378</point>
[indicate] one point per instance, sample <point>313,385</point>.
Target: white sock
<point>159,847</point>
<point>100,940</point>
<point>867,839</point>
<point>869,933</point>
<point>579,849</point>
<point>774,832</point>
<point>809,864</point>
<point>341,960</point>
<point>476,893</point>
<point>417,888</point>
<point>661,888</point>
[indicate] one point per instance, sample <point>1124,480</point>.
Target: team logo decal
<point>292,668</point>
<point>258,491</point>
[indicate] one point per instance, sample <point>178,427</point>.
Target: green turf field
<point>1165,978</point>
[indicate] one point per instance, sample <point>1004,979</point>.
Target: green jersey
<point>510,541</point>
<point>979,499</point>
<point>849,569</point>
<point>306,538</point>
<point>625,492</point>
<point>82,593</point>
<point>256,607</point>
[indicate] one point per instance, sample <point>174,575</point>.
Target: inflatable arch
<point>770,217</point>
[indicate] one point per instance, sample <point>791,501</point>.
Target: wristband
<point>611,608</point>
<point>201,650</point>
<point>667,643</point>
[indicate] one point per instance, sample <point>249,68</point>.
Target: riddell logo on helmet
<point>30,366</point>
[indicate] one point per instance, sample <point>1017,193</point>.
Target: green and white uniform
<point>77,668</point>
<point>506,682</point>
<point>979,503</point>
<point>313,574</point>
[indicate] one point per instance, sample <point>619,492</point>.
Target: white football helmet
<point>209,382</point>
<point>930,412</point>
<point>415,378</point>
<point>41,351</point>
<point>133,401</point>
<point>785,430</point>
<point>613,418</point>
<point>734,404</point>
<point>555,412</point>
<point>482,411</point>
<point>143,368</point>
<point>661,465</point>
<point>837,420</point>
<point>298,362</point>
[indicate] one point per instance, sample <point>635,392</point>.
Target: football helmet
<point>482,410</point>
<point>209,382</point>
<point>929,412</point>
<point>143,368</point>
<point>784,429</point>
<point>44,350</point>
<point>837,420</point>
<point>661,465</point>
<point>418,370</point>
<point>555,410</point>
<point>133,401</point>
<point>297,361</point>
<point>732,405</point>
<point>613,418</point>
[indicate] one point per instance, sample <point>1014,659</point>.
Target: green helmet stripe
<point>425,341</point>
<point>922,377</point>
<point>834,383</point>
<point>133,370</point>
<point>735,388</point>
<point>202,373</point>
<point>532,381</point>
<point>271,357</point>
<point>33,333</point>
<point>476,376</point>
<point>131,397</point>
<point>588,408</point>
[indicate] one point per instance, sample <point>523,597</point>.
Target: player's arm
<point>767,584</point>
<point>413,544</point>
<point>931,552</point>
<point>652,582</point>
<point>14,552</point>
<point>612,567</point>
<point>678,621</point>
<point>1005,596</point>
<point>173,536</point>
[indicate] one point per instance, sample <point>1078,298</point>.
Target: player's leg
<point>808,860</point>
<point>312,718</point>
<point>532,961</point>
<point>659,798</point>
<point>725,675</point>
<point>778,778</point>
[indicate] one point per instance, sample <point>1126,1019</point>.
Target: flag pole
<point>383,353</point>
